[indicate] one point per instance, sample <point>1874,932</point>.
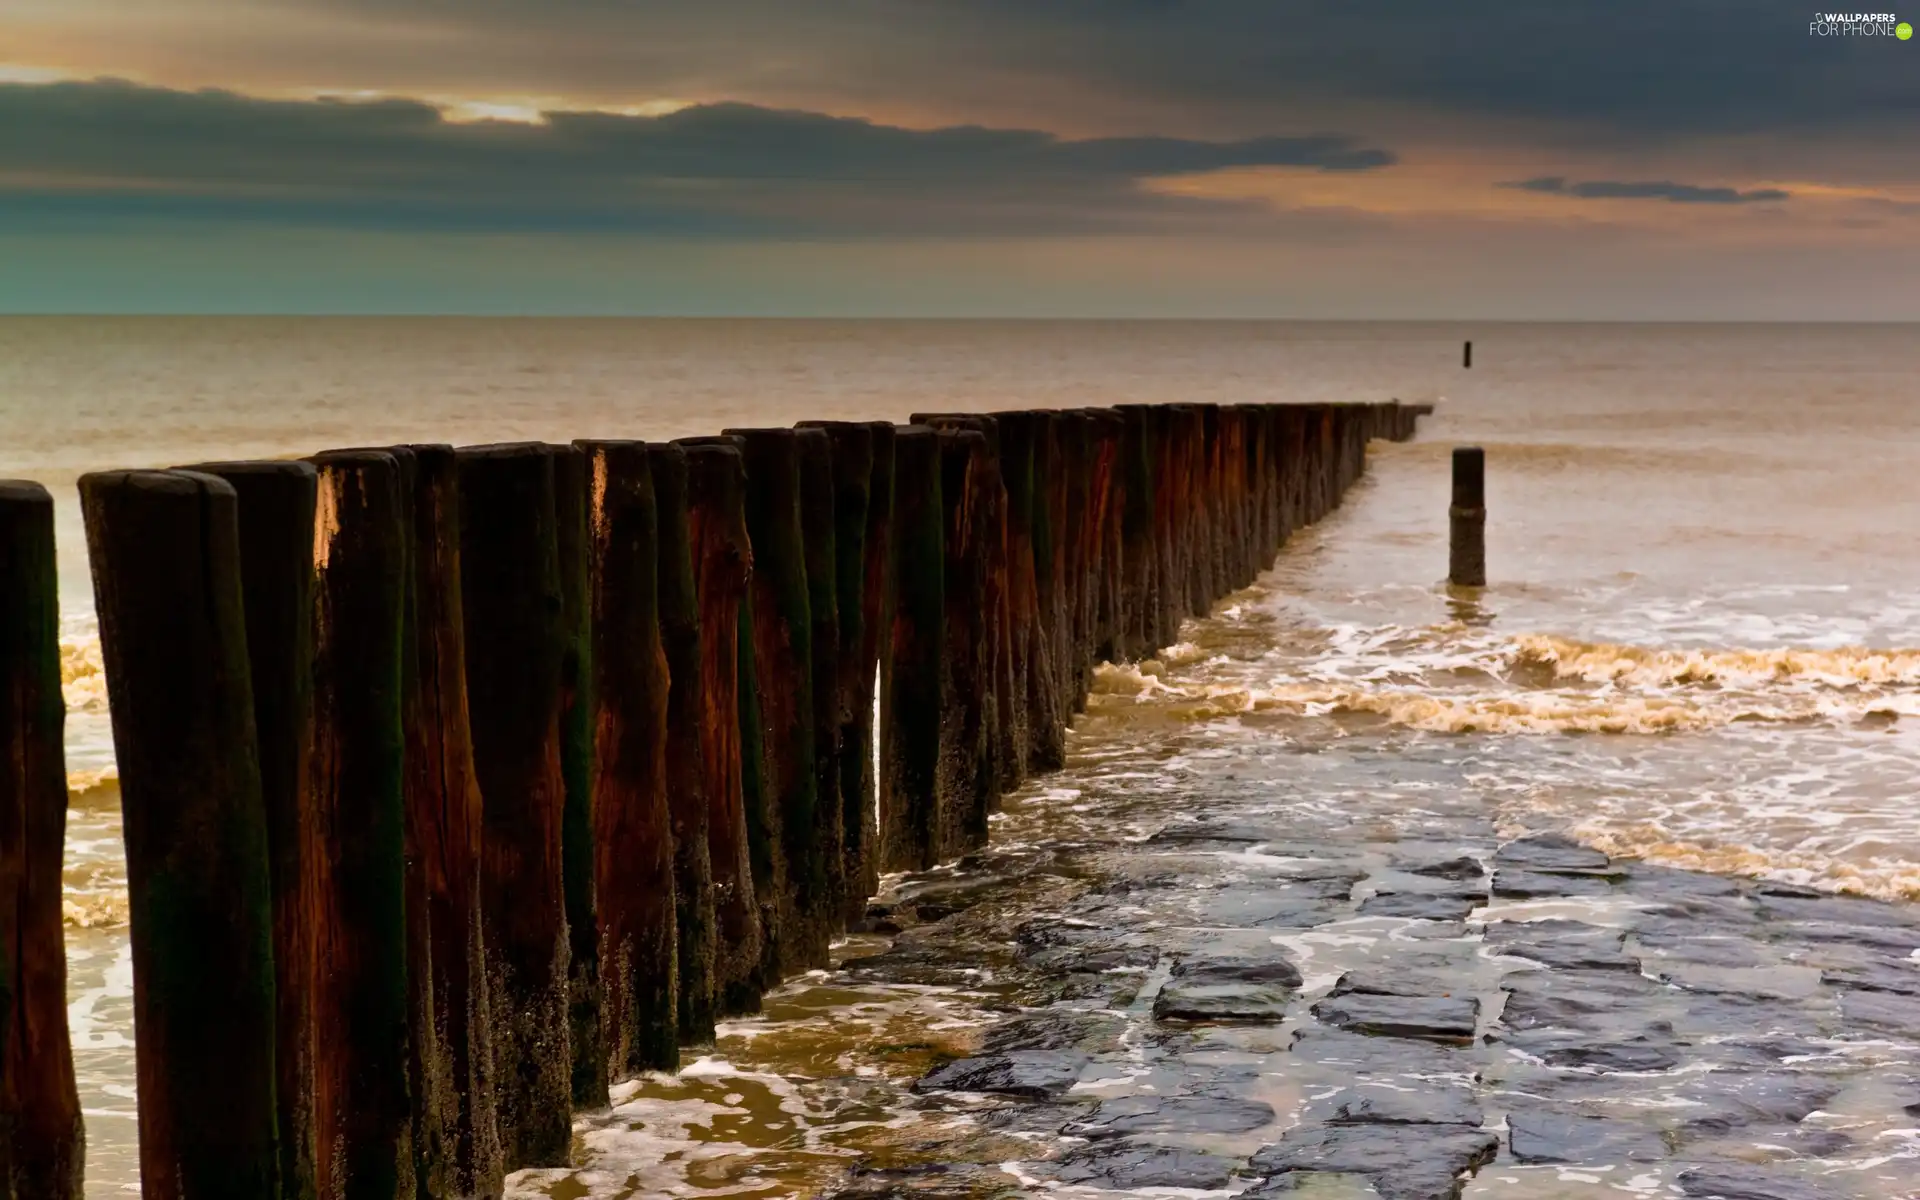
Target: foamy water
<point>1702,644</point>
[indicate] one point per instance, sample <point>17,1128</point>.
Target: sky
<point>1562,159</point>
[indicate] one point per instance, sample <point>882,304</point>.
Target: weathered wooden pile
<point>460,783</point>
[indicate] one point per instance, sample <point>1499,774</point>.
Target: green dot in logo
<point>1903,31</point>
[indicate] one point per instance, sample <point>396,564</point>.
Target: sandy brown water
<point>1702,643</point>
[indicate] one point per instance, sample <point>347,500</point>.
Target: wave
<point>83,676</point>
<point>1610,663</point>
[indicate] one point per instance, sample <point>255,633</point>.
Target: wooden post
<point>965,739</point>
<point>1110,466</point>
<point>1034,730</point>
<point>722,565</point>
<point>456,1134</point>
<point>164,546</point>
<point>585,991</point>
<point>275,507</point>
<point>1466,354</point>
<point>1140,553</point>
<point>633,829</point>
<point>687,736</point>
<point>874,646</point>
<point>914,667</point>
<point>1467,519</point>
<point>363,1113</point>
<point>824,909</point>
<point>42,1139</point>
<point>783,665</point>
<point>510,591</point>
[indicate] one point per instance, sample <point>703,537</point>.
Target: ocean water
<point>1701,644</point>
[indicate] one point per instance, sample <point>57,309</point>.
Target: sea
<point>1700,644</point>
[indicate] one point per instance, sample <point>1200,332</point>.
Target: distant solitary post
<point>1466,354</point>
<point>1467,548</point>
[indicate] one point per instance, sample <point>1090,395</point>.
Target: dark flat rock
<point>1033,1074</point>
<point>1380,1056</point>
<point>1538,1137</point>
<point>1129,1167</point>
<point>1734,1181</point>
<point>1189,1001</point>
<point>1574,999</point>
<point>1846,910</point>
<point>1402,1162</point>
<point>1738,1099</point>
<point>1365,1105</point>
<point>1052,944</point>
<point>1433,1018</point>
<point>1711,951</point>
<point>1057,1029</point>
<point>1554,854</point>
<point>1235,909</point>
<point>1209,968</point>
<point>1566,945</point>
<point>1890,1011</point>
<point>1422,906</point>
<point>1642,1052</point>
<point>1671,883</point>
<point>1897,975</point>
<point>1402,978</point>
<point>1886,939</point>
<point>1510,883</point>
<point>1125,1116</point>
<point>1461,868</point>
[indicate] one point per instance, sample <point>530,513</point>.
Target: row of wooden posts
<point>458,784</point>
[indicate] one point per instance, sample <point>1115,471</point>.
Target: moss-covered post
<point>164,547</point>
<point>363,1110</point>
<point>680,638</point>
<point>782,636</point>
<point>819,523</point>
<point>42,1139</point>
<point>722,566</point>
<point>585,991</point>
<point>275,509</point>
<point>510,591</point>
<point>456,1137</point>
<point>914,665</point>
<point>632,825</point>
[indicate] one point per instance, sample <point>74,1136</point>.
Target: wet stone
<point>1537,1137</point>
<point>1573,999</point>
<point>1554,854</point>
<point>1422,906</point>
<point>1402,1162</point>
<point>1126,1116</point>
<point>1057,1029</point>
<point>1900,976</point>
<point>1237,909</point>
<point>1512,884</point>
<point>1396,981</point>
<point>1216,969</point>
<point>1033,1074</point>
<point>1565,945</point>
<point>1640,1053</point>
<point>1380,1056</point>
<point>1737,952</point>
<point>1200,1001</point>
<point>1737,1100</point>
<point>1440,1019</point>
<point>1885,939</point>
<point>1051,944</point>
<point>1127,1167</point>
<point>1844,910</point>
<point>1459,868</point>
<point>1374,1105</point>
<point>1737,1182</point>
<point>1668,883</point>
<point>1887,1011</point>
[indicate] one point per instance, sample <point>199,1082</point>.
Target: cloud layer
<point>113,150</point>
<point>1660,189</point>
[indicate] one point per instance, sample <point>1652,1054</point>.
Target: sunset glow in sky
<point>1613,159</point>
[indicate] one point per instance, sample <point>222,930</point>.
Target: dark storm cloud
<point>1638,69</point>
<point>110,150</point>
<point>1661,189</point>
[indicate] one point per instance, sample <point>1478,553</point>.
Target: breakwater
<point>460,782</point>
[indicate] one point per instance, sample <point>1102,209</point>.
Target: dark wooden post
<point>510,590</point>
<point>851,453</point>
<point>1467,518</point>
<point>818,522</point>
<point>783,666</point>
<point>1108,517</point>
<point>1466,354</point>
<point>914,666</point>
<point>1029,719</point>
<point>456,1134</point>
<point>967,784</point>
<point>42,1139</point>
<point>275,507</point>
<point>874,646</point>
<point>1056,589</point>
<point>722,565</point>
<point>585,991</point>
<point>633,829</point>
<point>687,736</point>
<point>164,547</point>
<point>1140,551</point>
<point>363,1111</point>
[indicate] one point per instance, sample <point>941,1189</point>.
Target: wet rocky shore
<point>1239,997</point>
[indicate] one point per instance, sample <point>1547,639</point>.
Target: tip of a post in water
<point>176,483</point>
<point>23,491</point>
<point>504,450</point>
<point>295,467</point>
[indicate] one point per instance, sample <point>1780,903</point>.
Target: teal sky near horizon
<point>1591,159</point>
